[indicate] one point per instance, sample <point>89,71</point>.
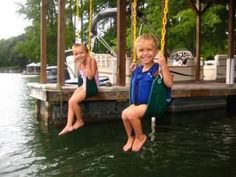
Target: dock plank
<point>52,100</point>
<point>202,89</point>
<point>53,93</point>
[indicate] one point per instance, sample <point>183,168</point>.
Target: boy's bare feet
<point>129,144</point>
<point>78,124</point>
<point>138,143</point>
<point>67,129</point>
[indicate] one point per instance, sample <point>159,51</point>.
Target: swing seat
<point>91,86</point>
<point>157,102</point>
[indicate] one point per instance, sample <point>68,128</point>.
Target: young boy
<point>146,49</point>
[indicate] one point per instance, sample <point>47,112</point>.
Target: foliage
<point>8,54</point>
<point>181,29</point>
<point>214,27</point>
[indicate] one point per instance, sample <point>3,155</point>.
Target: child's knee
<point>131,115</point>
<point>124,115</point>
<point>72,102</point>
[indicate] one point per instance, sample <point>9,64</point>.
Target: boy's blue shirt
<point>141,83</point>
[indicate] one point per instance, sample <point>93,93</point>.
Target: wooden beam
<point>206,7</point>
<point>121,41</point>
<point>198,41</point>
<point>231,28</point>
<point>230,66</point>
<point>43,41</point>
<point>61,43</point>
<point>198,11</point>
<point>193,6</point>
<point>221,2</point>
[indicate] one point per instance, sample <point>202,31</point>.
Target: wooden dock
<point>51,100</point>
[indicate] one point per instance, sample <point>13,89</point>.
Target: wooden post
<point>198,40</point>
<point>198,10</point>
<point>61,43</point>
<point>37,108</point>
<point>121,41</point>
<point>231,28</point>
<point>230,60</point>
<point>43,41</point>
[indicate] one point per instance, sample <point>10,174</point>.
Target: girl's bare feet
<point>138,143</point>
<point>67,129</point>
<point>78,124</point>
<point>129,144</point>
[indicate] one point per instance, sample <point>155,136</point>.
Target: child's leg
<point>70,119</point>
<point>128,129</point>
<point>134,115</point>
<point>79,97</point>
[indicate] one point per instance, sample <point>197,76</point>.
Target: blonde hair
<point>80,45</point>
<point>147,37</point>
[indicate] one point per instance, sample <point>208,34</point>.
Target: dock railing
<point>107,66</point>
<point>216,69</point>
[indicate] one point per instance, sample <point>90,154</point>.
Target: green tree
<point>30,47</point>
<point>181,28</point>
<point>8,54</point>
<point>214,27</point>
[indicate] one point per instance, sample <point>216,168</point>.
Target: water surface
<point>200,144</point>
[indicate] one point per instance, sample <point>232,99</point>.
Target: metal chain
<point>77,34</point>
<point>164,22</point>
<point>77,8</point>
<point>61,102</point>
<point>134,58</point>
<point>90,23</point>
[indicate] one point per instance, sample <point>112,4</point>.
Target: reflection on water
<point>188,145</point>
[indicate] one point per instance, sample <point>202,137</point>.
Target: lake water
<point>199,144</point>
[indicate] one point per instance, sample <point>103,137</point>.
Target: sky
<point>12,23</point>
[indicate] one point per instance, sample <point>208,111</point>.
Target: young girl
<point>141,81</point>
<point>87,67</point>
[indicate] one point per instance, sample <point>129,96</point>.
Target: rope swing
<point>90,24</point>
<point>157,102</point>
<point>164,22</point>
<point>134,25</point>
<point>77,34</point>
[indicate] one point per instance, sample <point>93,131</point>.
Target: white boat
<point>32,69</point>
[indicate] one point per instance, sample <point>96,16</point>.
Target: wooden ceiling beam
<point>193,6</point>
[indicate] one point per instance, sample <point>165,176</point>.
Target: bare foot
<point>78,124</point>
<point>129,144</point>
<point>67,129</point>
<point>138,143</point>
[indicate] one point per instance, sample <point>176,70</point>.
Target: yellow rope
<point>90,23</point>
<point>134,34</point>
<point>164,21</point>
<point>77,8</point>
<point>77,15</point>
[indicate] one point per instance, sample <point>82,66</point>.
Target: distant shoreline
<point>11,69</point>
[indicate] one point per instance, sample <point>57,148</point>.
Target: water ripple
<point>187,145</point>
